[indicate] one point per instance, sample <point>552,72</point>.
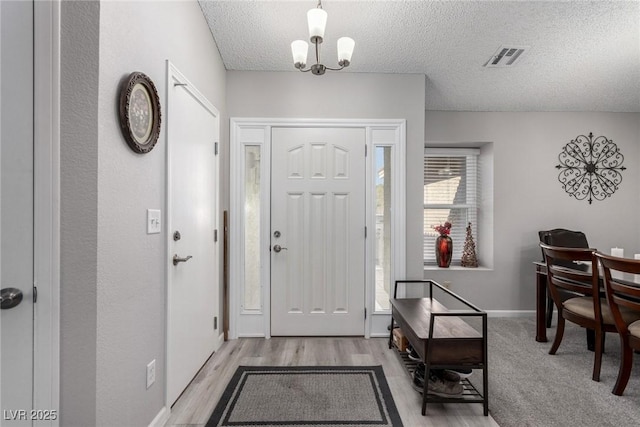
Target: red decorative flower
<point>443,229</point>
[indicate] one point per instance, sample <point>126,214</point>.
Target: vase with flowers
<point>444,245</point>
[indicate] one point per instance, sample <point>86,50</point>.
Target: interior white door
<point>193,127</point>
<point>317,231</point>
<point>16,212</point>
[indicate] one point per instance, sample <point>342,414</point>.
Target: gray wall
<point>344,95</point>
<point>113,273</point>
<point>78,211</point>
<point>528,197</point>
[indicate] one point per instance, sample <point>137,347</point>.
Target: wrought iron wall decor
<point>590,167</point>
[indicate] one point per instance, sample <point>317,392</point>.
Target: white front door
<point>193,327</point>
<point>317,231</point>
<point>16,212</point>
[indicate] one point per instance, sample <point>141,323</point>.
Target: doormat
<point>306,396</point>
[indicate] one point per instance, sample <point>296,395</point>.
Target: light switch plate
<point>154,224</point>
<point>151,373</point>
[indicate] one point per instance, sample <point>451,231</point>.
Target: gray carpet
<point>529,387</point>
<point>307,396</point>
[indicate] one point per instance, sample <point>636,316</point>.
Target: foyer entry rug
<point>320,396</point>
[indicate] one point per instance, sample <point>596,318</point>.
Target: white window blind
<point>450,194</point>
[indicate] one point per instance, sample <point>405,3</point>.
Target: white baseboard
<point>511,313</point>
<point>258,335</point>
<point>161,418</point>
<point>490,313</point>
<point>380,335</point>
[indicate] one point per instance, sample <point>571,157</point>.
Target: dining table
<point>541,293</point>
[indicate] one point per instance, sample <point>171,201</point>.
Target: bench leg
<point>485,391</point>
<point>424,395</point>
<point>425,392</point>
<point>391,334</point>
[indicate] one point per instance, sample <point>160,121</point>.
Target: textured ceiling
<point>583,56</point>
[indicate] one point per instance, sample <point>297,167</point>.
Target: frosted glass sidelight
<point>252,288</point>
<point>383,176</point>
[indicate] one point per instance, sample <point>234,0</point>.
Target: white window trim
<point>257,131</point>
<point>397,194</point>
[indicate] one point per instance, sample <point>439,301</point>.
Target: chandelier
<point>317,20</point>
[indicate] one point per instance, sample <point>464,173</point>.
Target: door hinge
<point>215,323</point>
<point>365,313</point>
<point>215,235</point>
<point>216,148</point>
<point>366,151</point>
<point>35,294</point>
<point>365,232</point>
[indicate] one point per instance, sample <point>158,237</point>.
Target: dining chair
<point>587,309</point>
<point>623,298</point>
<point>564,238</point>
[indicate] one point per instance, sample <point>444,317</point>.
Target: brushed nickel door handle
<point>278,248</point>
<point>10,297</point>
<point>177,259</point>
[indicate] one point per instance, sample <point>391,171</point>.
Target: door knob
<point>10,297</point>
<point>278,248</point>
<point>177,259</point>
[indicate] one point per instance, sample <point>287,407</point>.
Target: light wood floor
<point>198,401</point>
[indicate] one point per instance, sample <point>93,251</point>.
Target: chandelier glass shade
<point>317,21</point>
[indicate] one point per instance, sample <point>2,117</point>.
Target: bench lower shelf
<point>470,394</point>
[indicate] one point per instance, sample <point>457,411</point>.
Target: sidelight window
<point>252,288</point>
<point>383,177</point>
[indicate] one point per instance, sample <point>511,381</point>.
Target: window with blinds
<point>450,194</point>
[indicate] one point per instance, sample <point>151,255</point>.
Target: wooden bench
<point>443,339</point>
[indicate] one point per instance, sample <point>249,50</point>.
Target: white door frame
<point>174,76</point>
<point>257,132</point>
<point>47,207</point>
<point>46,340</point>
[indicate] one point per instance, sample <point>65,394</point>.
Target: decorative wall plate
<point>590,167</point>
<point>139,112</point>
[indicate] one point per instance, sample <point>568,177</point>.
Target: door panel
<point>318,205</point>
<point>193,294</point>
<point>16,209</point>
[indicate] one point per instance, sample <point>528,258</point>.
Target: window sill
<point>455,268</point>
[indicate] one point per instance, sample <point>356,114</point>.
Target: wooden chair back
<point>618,293</point>
<point>579,280</point>
<point>566,239</point>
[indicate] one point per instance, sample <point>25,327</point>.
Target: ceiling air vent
<point>506,56</point>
